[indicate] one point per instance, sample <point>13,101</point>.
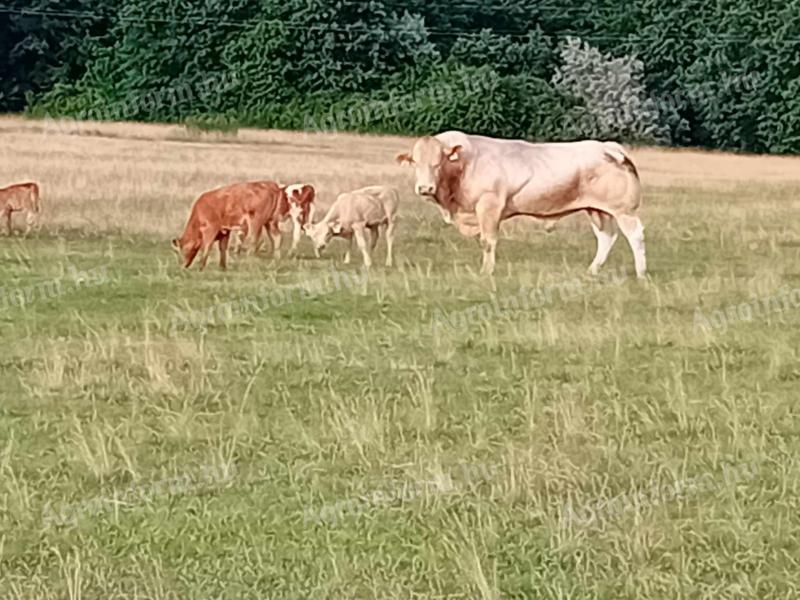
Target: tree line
<point>678,72</point>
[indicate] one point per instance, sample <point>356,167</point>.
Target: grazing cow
<point>297,205</point>
<point>21,197</point>
<point>354,213</point>
<point>482,181</point>
<point>241,207</point>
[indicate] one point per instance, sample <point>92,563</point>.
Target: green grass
<point>329,399</point>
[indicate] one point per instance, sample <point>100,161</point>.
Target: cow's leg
<point>223,250</point>
<point>257,228</point>
<point>8,220</point>
<point>605,230</point>
<point>488,211</point>
<point>389,244</point>
<point>633,230</point>
<point>297,233</point>
<point>276,237</point>
<point>358,232</point>
<point>189,258</point>
<point>209,237</point>
<point>30,221</point>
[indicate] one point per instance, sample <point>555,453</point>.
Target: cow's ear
<point>307,227</point>
<point>336,228</point>
<point>404,158</point>
<point>176,244</point>
<point>453,153</point>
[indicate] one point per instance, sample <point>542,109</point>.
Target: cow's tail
<point>618,154</point>
<point>35,200</point>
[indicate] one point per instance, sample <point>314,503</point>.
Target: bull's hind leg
<point>605,230</point>
<point>633,230</point>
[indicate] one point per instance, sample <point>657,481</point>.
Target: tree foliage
<point>686,72</point>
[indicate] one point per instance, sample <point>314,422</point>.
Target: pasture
<point>296,429</point>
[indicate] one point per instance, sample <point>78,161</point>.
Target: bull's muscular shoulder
<point>455,138</point>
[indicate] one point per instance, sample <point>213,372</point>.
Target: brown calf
<point>244,207</point>
<point>21,197</point>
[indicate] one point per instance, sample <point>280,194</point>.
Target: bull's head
<point>429,157</point>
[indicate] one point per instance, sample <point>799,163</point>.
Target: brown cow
<point>482,181</point>
<point>21,197</point>
<point>215,214</point>
<point>297,204</point>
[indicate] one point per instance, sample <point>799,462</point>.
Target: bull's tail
<point>618,154</point>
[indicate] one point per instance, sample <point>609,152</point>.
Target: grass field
<point>328,435</point>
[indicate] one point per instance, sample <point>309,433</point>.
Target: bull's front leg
<point>488,210</point>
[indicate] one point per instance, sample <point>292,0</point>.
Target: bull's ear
<point>404,158</point>
<point>453,153</point>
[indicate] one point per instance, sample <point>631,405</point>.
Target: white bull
<point>482,181</point>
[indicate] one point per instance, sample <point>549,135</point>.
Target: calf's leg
<point>374,234</point>
<point>349,249</point>
<point>389,243</point>
<point>633,230</point>
<point>358,232</point>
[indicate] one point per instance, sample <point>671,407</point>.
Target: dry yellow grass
<point>141,178</point>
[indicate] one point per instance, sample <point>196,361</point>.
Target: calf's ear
<point>453,153</point>
<point>404,158</point>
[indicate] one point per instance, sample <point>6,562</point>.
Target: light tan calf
<point>21,197</point>
<point>353,215</point>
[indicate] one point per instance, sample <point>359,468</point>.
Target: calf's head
<point>321,233</point>
<point>430,158</point>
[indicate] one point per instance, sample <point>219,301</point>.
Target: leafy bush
<point>614,99</point>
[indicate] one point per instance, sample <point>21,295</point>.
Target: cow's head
<point>176,246</point>
<point>301,202</point>
<point>430,158</point>
<point>321,234</point>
